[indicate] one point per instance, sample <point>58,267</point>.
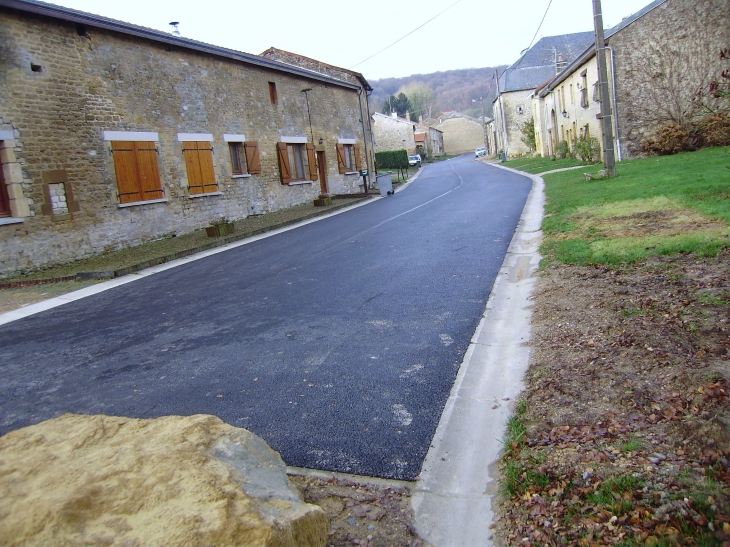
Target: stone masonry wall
<point>63,85</point>
<point>662,59</point>
<point>392,134</point>
<point>461,135</point>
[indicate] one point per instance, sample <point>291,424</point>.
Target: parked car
<point>479,152</point>
<point>414,159</point>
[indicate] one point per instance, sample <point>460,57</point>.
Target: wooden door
<point>4,201</point>
<point>322,168</point>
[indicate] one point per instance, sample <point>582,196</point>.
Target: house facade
<point>429,141</point>
<point>461,133</point>
<point>113,134</point>
<point>657,59</point>
<point>513,105</point>
<point>393,133</point>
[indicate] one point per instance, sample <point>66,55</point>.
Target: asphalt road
<point>336,342</point>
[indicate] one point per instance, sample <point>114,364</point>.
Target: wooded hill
<point>452,90</point>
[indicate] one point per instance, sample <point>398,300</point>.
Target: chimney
<point>560,64</point>
<point>394,115</point>
<point>408,116</point>
<point>420,119</point>
<point>174,25</point>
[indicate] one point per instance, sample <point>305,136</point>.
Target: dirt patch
<point>369,515</point>
<point>626,413</point>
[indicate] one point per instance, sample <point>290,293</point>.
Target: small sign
<point>364,173</point>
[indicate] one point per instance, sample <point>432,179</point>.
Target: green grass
<point>540,165</point>
<point>610,221</point>
<point>631,445</point>
<point>609,493</point>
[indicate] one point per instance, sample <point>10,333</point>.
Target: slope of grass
<point>654,206</point>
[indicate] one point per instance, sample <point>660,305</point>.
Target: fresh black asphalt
<point>337,342</point>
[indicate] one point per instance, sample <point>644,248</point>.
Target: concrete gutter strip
<point>452,501</point>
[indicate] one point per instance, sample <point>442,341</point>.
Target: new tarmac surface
<point>337,342</point>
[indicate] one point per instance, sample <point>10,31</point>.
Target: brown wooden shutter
<point>125,166</point>
<point>358,165</point>
<point>312,162</point>
<point>284,168</point>
<point>341,163</point>
<point>149,172</point>
<point>199,164</point>
<point>253,159</point>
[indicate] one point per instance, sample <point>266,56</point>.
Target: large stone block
<point>102,480</point>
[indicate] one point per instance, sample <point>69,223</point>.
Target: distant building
<point>393,133</point>
<point>513,105</point>
<point>461,133</point>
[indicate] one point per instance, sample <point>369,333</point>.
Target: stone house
<point>513,105</point>
<point>393,133</point>
<point>461,133</point>
<point>657,59</point>
<point>429,140</point>
<point>114,134</point>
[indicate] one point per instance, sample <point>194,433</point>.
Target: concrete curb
<point>452,502</point>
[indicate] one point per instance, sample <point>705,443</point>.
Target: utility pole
<point>609,159</point>
<point>484,122</point>
<point>505,146</point>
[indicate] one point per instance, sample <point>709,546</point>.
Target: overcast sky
<point>471,34</point>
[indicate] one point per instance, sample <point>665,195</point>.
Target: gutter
<point>615,103</point>
<point>66,14</point>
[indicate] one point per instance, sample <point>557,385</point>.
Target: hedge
<point>392,159</point>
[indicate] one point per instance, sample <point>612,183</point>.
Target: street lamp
<point>484,123</point>
<point>309,115</point>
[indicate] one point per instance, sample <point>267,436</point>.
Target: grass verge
<point>541,165</point>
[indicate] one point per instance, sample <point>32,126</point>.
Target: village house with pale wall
<point>113,134</point>
<point>461,133</point>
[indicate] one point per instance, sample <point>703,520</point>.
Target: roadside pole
<point>609,159</point>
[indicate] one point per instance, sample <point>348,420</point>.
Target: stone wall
<point>518,109</point>
<point>661,60</point>
<point>461,135</point>
<point>65,84</point>
<point>392,134</point>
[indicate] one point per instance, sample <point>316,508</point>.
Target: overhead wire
<point>407,35</point>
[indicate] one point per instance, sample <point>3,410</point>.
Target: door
<point>322,168</point>
<point>4,202</point>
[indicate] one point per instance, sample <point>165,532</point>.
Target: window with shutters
<point>297,162</point>
<point>199,165</point>
<point>138,175</point>
<point>238,159</point>
<point>348,158</point>
<point>244,155</point>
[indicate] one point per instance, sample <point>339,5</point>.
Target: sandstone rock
<point>102,480</point>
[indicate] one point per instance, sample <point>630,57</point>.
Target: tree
<point>528,134</point>
<point>421,98</point>
<point>399,103</point>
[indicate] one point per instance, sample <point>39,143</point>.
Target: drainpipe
<point>615,103</point>
<point>364,139</point>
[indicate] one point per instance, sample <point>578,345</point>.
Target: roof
<point>97,21</point>
<point>391,118</point>
<point>539,63</point>
<point>324,68</point>
<point>420,137</point>
<point>591,50</point>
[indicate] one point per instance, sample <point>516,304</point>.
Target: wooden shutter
<point>341,163</point>
<point>199,164</point>
<point>312,162</point>
<point>125,166</point>
<point>284,168</point>
<point>357,157</point>
<point>4,201</point>
<point>149,172</point>
<point>253,159</point>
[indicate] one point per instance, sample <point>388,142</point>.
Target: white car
<point>479,152</point>
<point>414,159</point>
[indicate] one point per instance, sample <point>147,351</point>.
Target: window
<point>272,93</point>
<point>138,177</point>
<point>238,160</point>
<point>348,157</point>
<point>296,162</point>
<point>584,89</point>
<point>245,159</point>
<point>199,164</point>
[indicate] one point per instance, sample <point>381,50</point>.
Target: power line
<point>531,41</point>
<point>407,35</point>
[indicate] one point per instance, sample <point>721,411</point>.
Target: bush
<point>670,139</point>
<point>587,148</point>
<point>715,129</point>
<point>562,150</point>
<point>392,159</point>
